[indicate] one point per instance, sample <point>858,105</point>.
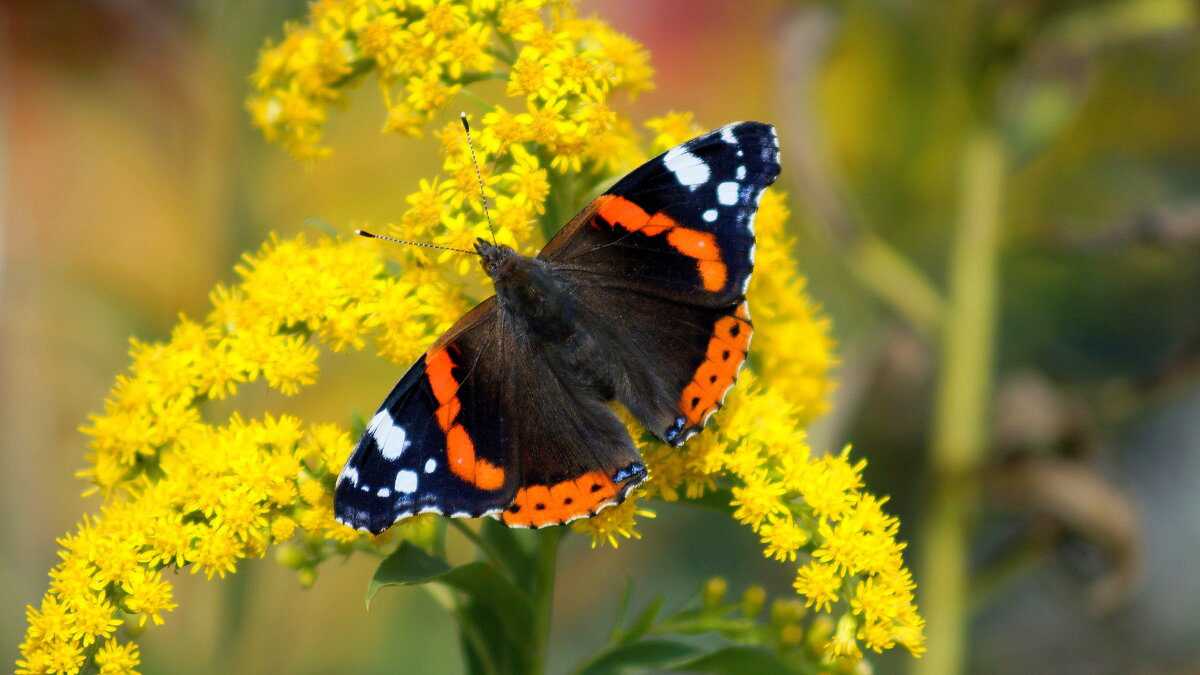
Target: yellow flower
<point>115,658</point>
<point>92,618</point>
<point>148,594</point>
<point>671,130</point>
<point>529,181</point>
<point>501,130</point>
<point>467,51</point>
<point>819,584</point>
<point>759,499</point>
<point>283,528</point>
<point>782,538</point>
<point>843,645</point>
<point>828,484</point>
<point>534,76</point>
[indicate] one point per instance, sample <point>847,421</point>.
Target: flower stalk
<point>962,405</point>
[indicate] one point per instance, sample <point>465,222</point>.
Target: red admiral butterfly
<point>640,299</point>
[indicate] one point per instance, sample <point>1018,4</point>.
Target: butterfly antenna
<point>478,176</point>
<point>364,233</point>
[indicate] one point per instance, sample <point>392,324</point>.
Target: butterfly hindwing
<point>482,424</point>
<point>662,262</point>
<point>576,457</point>
<point>680,360</point>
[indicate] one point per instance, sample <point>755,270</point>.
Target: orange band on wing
<point>702,246</point>
<point>722,359</point>
<point>460,450</point>
<point>439,369</point>
<point>540,505</point>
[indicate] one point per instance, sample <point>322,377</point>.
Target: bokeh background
<point>132,182</point>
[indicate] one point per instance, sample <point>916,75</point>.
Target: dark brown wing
<point>661,263</point>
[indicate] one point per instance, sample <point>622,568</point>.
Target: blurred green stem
<point>543,596</point>
<point>893,277</point>
<point>960,425</point>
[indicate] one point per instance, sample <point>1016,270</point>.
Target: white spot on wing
<point>349,473</point>
<point>689,169</point>
<point>727,193</point>
<point>752,247</point>
<point>710,215</point>
<point>741,172</point>
<point>391,439</point>
<point>406,481</point>
<point>383,492</point>
<point>727,134</point>
<point>430,465</point>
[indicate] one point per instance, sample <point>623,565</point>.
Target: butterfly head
<point>498,261</point>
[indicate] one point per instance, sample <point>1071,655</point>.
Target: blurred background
<point>939,156</point>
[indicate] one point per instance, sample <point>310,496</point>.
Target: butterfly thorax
<point>530,293</point>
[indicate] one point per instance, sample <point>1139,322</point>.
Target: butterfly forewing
<point>665,258</point>
<point>436,445</point>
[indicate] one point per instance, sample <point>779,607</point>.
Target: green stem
<point>543,595</point>
<point>233,646</point>
<point>960,426</point>
<point>488,550</point>
<point>483,103</point>
<point>446,598</point>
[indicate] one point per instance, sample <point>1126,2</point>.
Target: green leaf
<point>497,617</point>
<point>644,621</point>
<point>639,656</point>
<point>623,607</point>
<point>736,661</point>
<point>405,566</point>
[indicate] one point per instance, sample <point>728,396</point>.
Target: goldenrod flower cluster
<point>182,491</point>
<point>424,52</point>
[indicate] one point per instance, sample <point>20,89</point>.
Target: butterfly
<point>639,299</point>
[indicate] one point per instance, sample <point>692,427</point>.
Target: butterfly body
<point>530,294</point>
<point>639,300</point>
